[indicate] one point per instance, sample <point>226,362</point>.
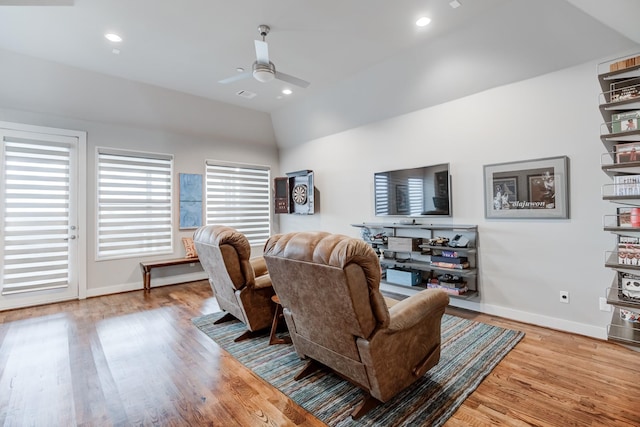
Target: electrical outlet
<point>603,304</point>
<point>564,297</point>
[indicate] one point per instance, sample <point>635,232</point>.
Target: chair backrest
<point>330,286</point>
<point>224,254</point>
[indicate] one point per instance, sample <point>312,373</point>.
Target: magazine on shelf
<point>624,217</point>
<point>625,122</point>
<point>626,153</point>
<point>453,265</point>
<point>629,250</point>
<point>626,185</point>
<point>625,89</point>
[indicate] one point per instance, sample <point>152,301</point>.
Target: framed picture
<point>190,200</point>
<point>528,189</point>
<point>626,153</point>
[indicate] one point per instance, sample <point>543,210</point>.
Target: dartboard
<point>299,194</point>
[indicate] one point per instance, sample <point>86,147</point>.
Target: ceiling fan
<point>264,70</point>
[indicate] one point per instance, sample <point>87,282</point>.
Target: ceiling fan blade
<point>262,52</point>
<point>290,79</point>
<point>235,78</point>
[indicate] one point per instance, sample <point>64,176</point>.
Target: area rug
<point>470,350</point>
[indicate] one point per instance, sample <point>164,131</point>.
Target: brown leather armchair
<point>241,284</point>
<point>328,286</point>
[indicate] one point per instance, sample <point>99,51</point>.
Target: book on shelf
<point>457,266</point>
<point>454,260</point>
<point>452,291</point>
<point>452,253</point>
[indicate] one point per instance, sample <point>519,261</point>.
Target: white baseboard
<point>517,315</point>
<point>533,319</point>
<point>156,282</point>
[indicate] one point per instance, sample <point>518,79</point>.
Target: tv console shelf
<point>420,260</point>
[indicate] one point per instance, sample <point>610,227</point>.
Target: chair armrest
<point>259,266</point>
<point>413,310</point>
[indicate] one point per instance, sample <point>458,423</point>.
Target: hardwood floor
<point>136,359</point>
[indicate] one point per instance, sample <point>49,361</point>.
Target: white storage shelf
<point>420,260</point>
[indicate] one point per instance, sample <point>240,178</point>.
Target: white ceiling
<point>189,45</point>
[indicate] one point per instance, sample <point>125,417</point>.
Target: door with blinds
<point>40,235</point>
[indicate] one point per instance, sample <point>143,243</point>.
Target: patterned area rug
<point>470,350</point>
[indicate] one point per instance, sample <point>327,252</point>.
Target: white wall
<point>523,263</point>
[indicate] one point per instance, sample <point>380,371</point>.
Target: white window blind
<point>134,203</point>
<point>35,215</point>
<point>238,196</point>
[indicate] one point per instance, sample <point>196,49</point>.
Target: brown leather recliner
<point>241,284</point>
<point>328,286</point>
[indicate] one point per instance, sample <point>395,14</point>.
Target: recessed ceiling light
<point>240,70</point>
<point>112,37</point>
<point>423,22</point>
<point>455,4</point>
<point>287,91</point>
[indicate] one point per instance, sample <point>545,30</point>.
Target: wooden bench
<point>147,266</point>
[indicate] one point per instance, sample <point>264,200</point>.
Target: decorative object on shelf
<point>189,247</point>
<point>527,189</point>
<point>190,200</point>
<point>625,63</point>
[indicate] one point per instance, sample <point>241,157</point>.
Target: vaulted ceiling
<point>365,59</point>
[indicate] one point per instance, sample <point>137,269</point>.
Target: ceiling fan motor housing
<point>264,72</point>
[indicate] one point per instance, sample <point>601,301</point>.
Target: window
<point>238,196</point>
<point>134,203</point>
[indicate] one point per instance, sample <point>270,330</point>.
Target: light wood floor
<point>136,359</point>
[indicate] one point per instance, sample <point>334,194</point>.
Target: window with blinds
<point>35,252</point>
<point>134,203</point>
<point>238,196</point>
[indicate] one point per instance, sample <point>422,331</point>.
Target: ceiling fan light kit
<point>263,72</point>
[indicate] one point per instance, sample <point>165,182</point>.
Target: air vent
<point>246,94</point>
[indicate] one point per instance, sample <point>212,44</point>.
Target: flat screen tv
<point>422,191</point>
